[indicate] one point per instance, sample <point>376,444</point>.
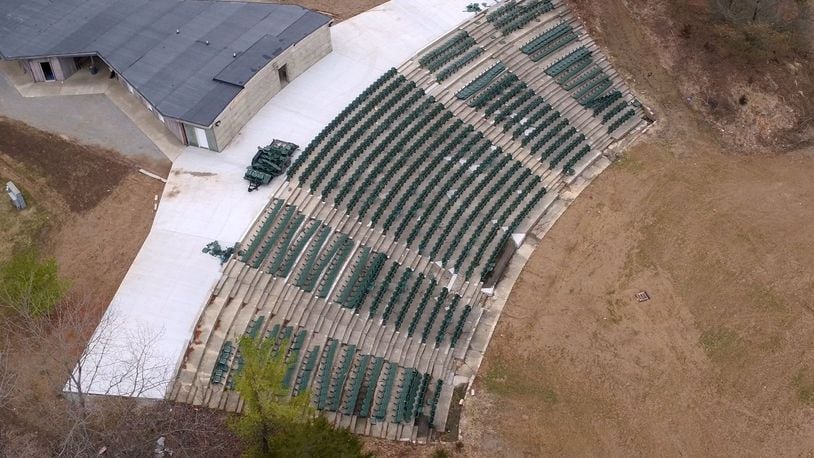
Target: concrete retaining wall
<point>266,83</point>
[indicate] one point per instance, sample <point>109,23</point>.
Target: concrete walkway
<point>92,109</point>
<point>205,198</point>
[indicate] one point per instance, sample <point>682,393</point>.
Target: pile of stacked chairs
<point>513,15</point>
<point>227,350</point>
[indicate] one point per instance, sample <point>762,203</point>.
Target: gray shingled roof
<point>179,74</point>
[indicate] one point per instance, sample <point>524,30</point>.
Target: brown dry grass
<point>720,361</point>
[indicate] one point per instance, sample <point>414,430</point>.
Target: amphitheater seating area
<point>372,267</point>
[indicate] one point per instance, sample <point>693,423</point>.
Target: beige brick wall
<point>266,83</point>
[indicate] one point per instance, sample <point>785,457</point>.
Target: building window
<point>282,72</point>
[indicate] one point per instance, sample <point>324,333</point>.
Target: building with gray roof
<point>203,67</point>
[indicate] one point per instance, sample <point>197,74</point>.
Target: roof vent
<point>207,42</point>
<point>177,31</point>
<point>234,54</point>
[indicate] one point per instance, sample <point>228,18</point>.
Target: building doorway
<point>47,71</point>
<point>282,72</point>
<point>200,138</point>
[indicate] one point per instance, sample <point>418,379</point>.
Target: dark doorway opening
<point>282,72</point>
<point>47,71</point>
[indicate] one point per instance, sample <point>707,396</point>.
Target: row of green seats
<point>621,120</point>
<point>532,11</point>
<point>493,91</point>
<point>293,358</point>
<point>553,46</point>
<point>458,64</point>
<point>564,63</point>
<point>327,130</point>
<point>513,91</point>
<point>356,386</point>
<point>338,134</point>
<point>442,329</point>
<point>614,111</point>
<point>264,228</point>
<point>604,102</point>
<point>568,167</point>
<point>325,380</point>
<point>298,246</point>
<point>408,301</point>
<point>385,285</point>
<point>416,121</point>
<point>422,393</point>
<point>434,403</point>
<point>574,69</point>
<point>396,295</point>
<point>362,150</point>
<point>501,220</point>
<point>363,288</point>
<point>481,81</point>
<point>566,151</point>
<point>544,38</point>
<point>312,255</point>
<point>448,50</point>
<point>279,227</point>
<point>422,305</point>
<point>549,136</point>
<point>558,142</point>
<point>335,393</point>
<point>285,242</point>
<point>310,364</point>
<point>407,171</point>
<point>459,328</point>
<point>315,265</point>
<point>254,326</point>
<point>387,390</point>
<point>367,402</point>
<point>439,302</point>
<point>333,155</point>
<point>508,111</point>
<point>532,119</point>
<point>335,268</point>
<point>222,363</point>
<point>401,157</point>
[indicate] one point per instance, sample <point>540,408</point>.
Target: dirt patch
<point>87,207</point>
<point>81,175</point>
<point>339,10</point>
<point>751,81</point>
<point>717,362</point>
<point>90,211</point>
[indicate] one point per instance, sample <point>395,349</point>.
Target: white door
<point>200,138</point>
